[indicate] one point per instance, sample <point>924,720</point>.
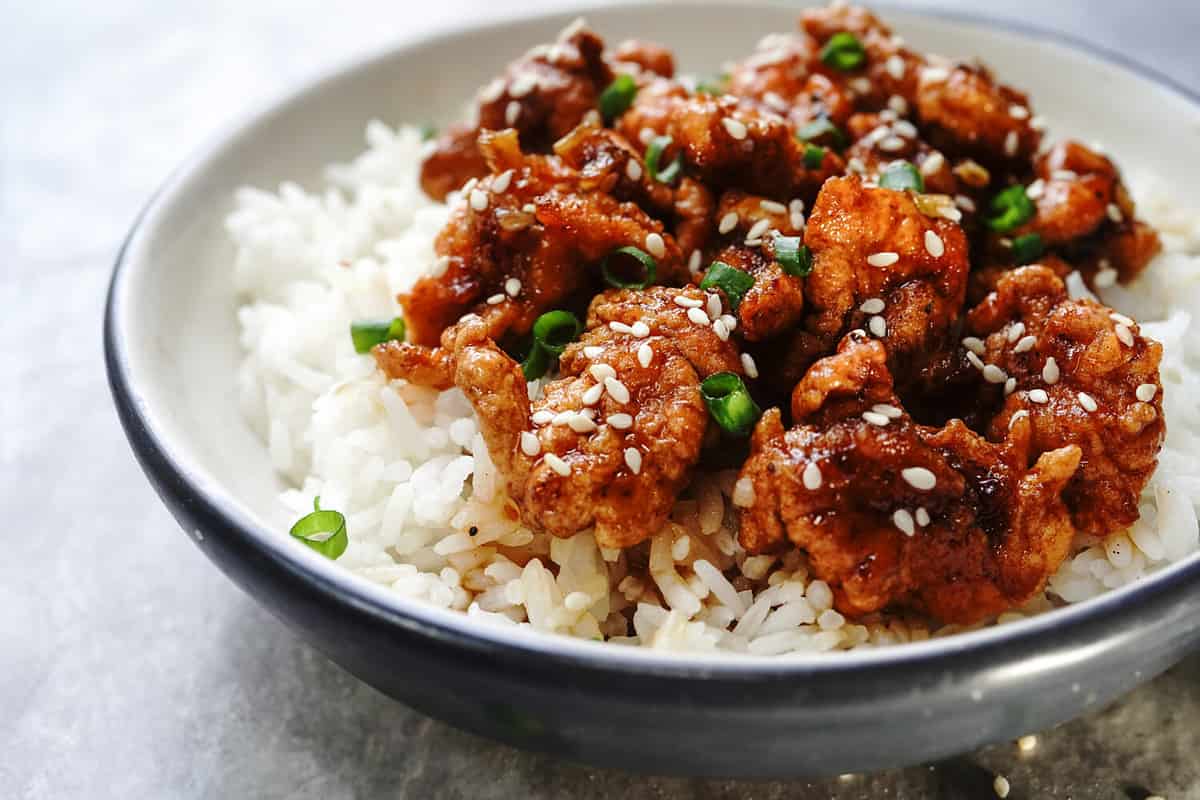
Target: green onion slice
<point>554,330</point>
<point>654,153</point>
<point>617,97</point>
<point>729,403</point>
<point>824,129</point>
<point>369,332</point>
<point>537,363</point>
<point>902,175</point>
<point>322,530</point>
<point>814,156</point>
<point>649,268</point>
<point>1027,248</point>
<point>733,281</point>
<point>714,86</point>
<point>843,51</point>
<point>795,258</point>
<point>1011,209</point>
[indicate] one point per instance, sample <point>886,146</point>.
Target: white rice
<point>410,471</point>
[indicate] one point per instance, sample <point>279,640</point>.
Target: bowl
<point>172,353</point>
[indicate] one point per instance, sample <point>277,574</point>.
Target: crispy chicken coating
<point>896,515</point>
<point>964,111</point>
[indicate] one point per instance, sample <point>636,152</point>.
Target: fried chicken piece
<point>648,56</point>
<point>962,110</point>
<point>526,239</point>
<point>1083,375</point>
<point>607,162</point>
<point>543,95</point>
<point>896,515</point>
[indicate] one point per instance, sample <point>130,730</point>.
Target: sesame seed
<point>655,245</point>
<point>975,360</point>
<point>1025,344</point>
<point>1105,278</point>
<point>492,91</point>
<point>888,410</point>
<point>758,229</point>
<point>684,301</point>
<point>922,517</point>
<point>529,208</point>
<point>1016,416</point>
<point>993,374</point>
<point>934,74</point>
<point>898,104</point>
<point>542,417</point>
<point>1086,400</point>
<point>883,259</point>
<point>730,322</point>
<point>593,351</point>
<point>812,477</point>
<point>1010,386</point>
<point>892,144</point>
<point>1014,331</point>
<point>1064,175</point>
<point>619,327</point>
<point>557,464</point>
<point>713,306</point>
<point>860,85</point>
<point>1038,123</point>
<point>964,202</point>
<point>904,128</point>
<point>749,365</point>
<point>875,418</point>
<point>694,262</point>
<point>697,316</point>
<point>616,390</point>
<point>974,344</point>
<point>512,287</point>
<point>1146,392</point>
<point>1012,143</point>
<point>1027,743</point>
<point>1035,190</point>
<point>934,244</point>
<point>681,547</point>
<point>522,85</point>
<point>479,199</point>
<point>633,170</point>
<point>633,458</point>
<point>639,329</point>
<point>904,521</point>
<point>592,394</point>
<point>1001,787</point>
<point>1125,335</point>
<point>895,67</point>
<point>856,165</point>
<point>1038,396</point>
<point>1120,319</point>
<point>645,354</point>
<point>728,222</point>
<point>601,372</point>
<point>951,213</point>
<point>933,164</point>
<point>734,128</point>
<point>1114,213</point>
<point>530,445</point>
<point>581,424</point>
<point>872,306</point>
<point>877,326</point>
<point>495,299</point>
<point>919,478</point>
<point>646,135</point>
<point>562,418</point>
<point>796,206</point>
<point>620,421</point>
<point>1050,372</point>
<point>743,493</point>
<point>440,266</point>
<point>1018,112</point>
<point>720,329</point>
<point>501,182</point>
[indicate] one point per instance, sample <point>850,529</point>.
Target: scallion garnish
<point>793,257</point>
<point>713,86</point>
<point>902,175</point>
<point>843,51</point>
<point>822,128</point>
<point>536,364</point>
<point>552,332</point>
<point>654,153</point>
<point>1011,209</point>
<point>731,280</point>
<point>428,131</point>
<point>369,332</point>
<point>729,403</point>
<point>814,156</point>
<point>1027,248</point>
<point>322,530</point>
<point>617,97</point>
<point>647,262</point>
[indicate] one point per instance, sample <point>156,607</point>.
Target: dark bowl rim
<point>342,588</point>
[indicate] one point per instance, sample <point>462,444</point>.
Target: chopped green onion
<point>554,330</point>
<point>654,153</point>
<point>649,268</point>
<point>843,51</point>
<point>322,530</point>
<point>793,257</point>
<point>1011,209</point>
<point>428,131</point>
<point>369,332</point>
<point>822,128</point>
<point>901,175</point>
<point>814,156</point>
<point>714,86</point>
<point>537,363</point>
<point>1027,248</point>
<point>729,403</point>
<point>617,97</point>
<point>733,281</point>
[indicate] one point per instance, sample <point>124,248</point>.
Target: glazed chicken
<point>868,242</point>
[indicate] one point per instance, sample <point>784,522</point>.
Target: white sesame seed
<point>860,85</point>
<point>512,287</point>
<point>1025,344</point>
<point>933,164</point>
<point>529,208</point>
<point>646,135</point>
<point>492,91</point>
<point>730,322</point>
<point>601,372</point>
<point>694,262</point>
<point>904,128</point>
<point>619,327</point>
<point>892,144</point>
<point>1014,332</point>
<point>633,170</point>
<point>1018,112</point>
<point>592,394</point>
<point>934,244</point>
<point>812,477</point>
<point>1035,190</point>
<point>875,418</point>
<point>495,299</point>
<point>593,351</point>
<point>530,445</point>
<point>734,128</point>
<point>1120,319</point>
<point>681,547</point>
<point>501,182</point>
<point>749,365</point>
<point>919,478</point>
<point>713,306</point>
<point>655,245</point>
<point>728,222</point>
<point>758,229</point>
<point>616,390</point>
<point>1038,123</point>
<point>873,305</point>
<point>974,344</point>
<point>697,316</point>
<point>1010,386</point>
<point>1038,396</point>
<point>903,520</point>
<point>922,517</point>
<point>1050,372</point>
<point>543,417</point>
<point>877,326</point>
<point>934,74</point>
<point>557,464</point>
<point>1001,786</point>
<point>1086,400</point>
<point>883,259</point>
<point>796,206</point>
<point>888,410</point>
<point>1012,143</point>
<point>1016,416</point>
<point>1067,175</point>
<point>951,213</point>
<point>683,301</point>
<point>1026,743</point>
<point>581,424</point>
<point>993,374</point>
<point>1114,213</point>
<point>975,360</point>
<point>645,354</point>
<point>562,418</point>
<point>1125,335</point>
<point>479,199</point>
<point>898,104</point>
<point>964,202</point>
<point>1105,278</point>
<point>620,422</point>
<point>1145,392</point>
<point>522,85</point>
<point>633,458</point>
<point>895,67</point>
<point>772,207</point>
<point>440,266</point>
<point>639,329</point>
<point>743,493</point>
<point>856,165</point>
<point>721,330</point>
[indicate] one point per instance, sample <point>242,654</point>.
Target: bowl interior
<point>174,311</point>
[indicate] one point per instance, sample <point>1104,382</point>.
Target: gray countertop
<point>129,667</point>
